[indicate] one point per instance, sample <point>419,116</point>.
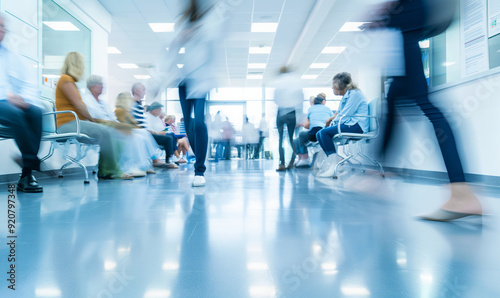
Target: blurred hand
<point>18,101</point>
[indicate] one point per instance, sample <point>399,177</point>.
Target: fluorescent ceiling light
<point>255,77</point>
<point>142,77</point>
<point>424,44</point>
<point>264,27</point>
<point>333,50</point>
<point>170,266</point>
<point>328,266</point>
<point>355,291</point>
<point>309,77</point>
<point>260,50</point>
<point>446,64</point>
<point>47,292</point>
<point>162,27</point>
<point>319,65</point>
<point>62,26</point>
<point>262,291</point>
<point>128,65</point>
<point>109,265</point>
<point>256,65</point>
<point>113,50</point>
<point>180,65</point>
<point>257,266</point>
<point>181,51</point>
<point>351,26</point>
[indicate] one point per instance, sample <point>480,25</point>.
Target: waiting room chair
<point>61,141</point>
<point>353,142</point>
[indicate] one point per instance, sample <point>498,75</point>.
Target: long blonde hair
<point>73,65</point>
<point>124,100</point>
<point>343,81</point>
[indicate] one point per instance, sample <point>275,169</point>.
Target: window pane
<point>172,93</point>
<point>61,34</point>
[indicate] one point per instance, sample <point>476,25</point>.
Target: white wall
<point>24,18</point>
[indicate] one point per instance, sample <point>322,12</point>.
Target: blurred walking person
<point>418,20</point>
<point>199,32</point>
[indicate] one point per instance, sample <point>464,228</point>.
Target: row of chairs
<point>64,142</point>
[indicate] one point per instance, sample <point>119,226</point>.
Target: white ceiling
<point>305,28</point>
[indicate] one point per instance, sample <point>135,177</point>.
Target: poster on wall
<point>474,37</point>
<point>493,17</point>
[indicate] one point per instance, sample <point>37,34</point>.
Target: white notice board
<point>474,37</point>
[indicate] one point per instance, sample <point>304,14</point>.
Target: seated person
<point>317,115</point>
<point>155,125</point>
<point>140,147</point>
<point>182,141</point>
<point>353,103</point>
<point>68,99</point>
<point>19,114</point>
<point>137,110</point>
<point>124,115</point>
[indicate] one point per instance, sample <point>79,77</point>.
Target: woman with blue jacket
<point>353,103</point>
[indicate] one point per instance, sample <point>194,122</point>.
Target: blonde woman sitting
<point>68,98</point>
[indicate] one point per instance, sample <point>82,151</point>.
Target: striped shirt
<point>138,113</point>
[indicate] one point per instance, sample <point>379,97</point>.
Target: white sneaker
<point>199,181</point>
<point>328,173</point>
<point>302,163</point>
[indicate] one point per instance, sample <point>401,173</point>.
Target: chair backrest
<point>372,111</point>
<point>48,121</point>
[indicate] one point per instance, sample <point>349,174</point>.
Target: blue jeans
<point>196,127</point>
<point>325,136</point>
<point>26,128</point>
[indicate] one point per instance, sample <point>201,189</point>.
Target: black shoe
<point>29,184</point>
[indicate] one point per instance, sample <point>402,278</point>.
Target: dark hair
<point>193,12</point>
<point>343,81</point>
<point>318,100</point>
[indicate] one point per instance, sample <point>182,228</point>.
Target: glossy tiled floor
<point>251,232</point>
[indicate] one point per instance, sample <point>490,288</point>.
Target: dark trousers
<point>259,145</point>
<point>26,128</point>
<point>290,121</point>
<point>196,127</point>
<point>167,141</point>
<point>304,138</point>
<point>413,88</point>
<point>325,136</point>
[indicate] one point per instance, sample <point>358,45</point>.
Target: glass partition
<point>62,33</point>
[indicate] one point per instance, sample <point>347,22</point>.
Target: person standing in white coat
<point>199,32</point>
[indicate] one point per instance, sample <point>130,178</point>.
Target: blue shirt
<point>353,103</point>
<point>318,114</point>
<point>13,77</point>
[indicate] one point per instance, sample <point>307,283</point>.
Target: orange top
<point>63,103</point>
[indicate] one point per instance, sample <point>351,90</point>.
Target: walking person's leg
<point>462,201</point>
<point>291,123</point>
<point>280,125</point>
